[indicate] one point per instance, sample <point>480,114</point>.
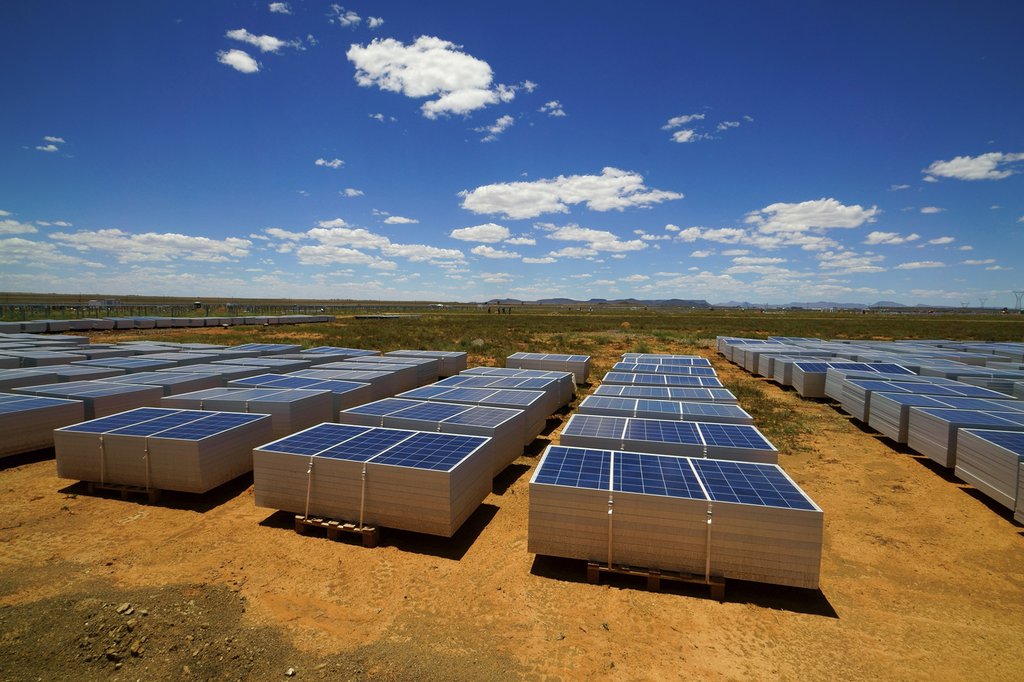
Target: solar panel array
<point>664,409</point>
<point>631,379</point>
<point>685,370</point>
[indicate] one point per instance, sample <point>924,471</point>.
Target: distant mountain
<point>657,303</point>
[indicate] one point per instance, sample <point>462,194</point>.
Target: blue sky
<point>764,152</point>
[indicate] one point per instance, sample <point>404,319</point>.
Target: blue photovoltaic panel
<point>965,403</point>
<point>466,394</point>
<point>655,475</point>
<point>425,392</point>
<point>483,416</point>
<point>169,421</point>
<point>973,417</point>
<point>680,380</point>
<point>812,367</point>
<point>889,368</point>
<point>383,407</point>
<point>663,431</point>
<point>668,407</point>
<point>749,483</point>
<point>874,385</point>
<point>432,411</point>
<point>923,388</point>
<point>259,379</point>
<point>1010,440</point>
<point>974,391</point>
<point>912,399</point>
<point>609,403</point>
<point>714,409</point>
<point>216,423</point>
<point>595,426</point>
<point>315,439</point>
<point>29,403</point>
<point>117,421</point>
<point>575,468</point>
<point>432,451</point>
<point>510,396</point>
<point>709,382</point>
<point>367,445</point>
<point>734,436</point>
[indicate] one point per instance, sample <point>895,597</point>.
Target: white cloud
<point>931,209</point>
<point>15,227</point>
<point>399,220</point>
<point>1020,219</point>
<point>819,214</point>
<point>18,251</point>
<point>702,253</point>
<point>965,247</point>
<point>333,163</point>
<point>635,278</point>
<point>736,252</point>
<point>495,277</point>
<point>374,22</point>
<point>488,233</point>
<point>4,214</point>
<point>326,254</point>
<point>278,233</point>
<point>279,8</point>
<point>491,252</point>
<point>352,192</point>
<point>977,261</point>
<point>897,188</point>
<point>47,148</point>
<point>686,135</point>
<point>377,117</point>
<point>497,128</point>
<point>155,246</point>
<point>540,261</point>
<point>849,262</point>
<point>423,253</point>
<point>354,237</point>
<point>335,222</point>
<point>54,139</point>
<point>522,241</point>
<point>990,166</point>
<point>429,67</point>
<point>612,189</point>
<point>998,267</point>
<point>596,240</point>
<point>552,108</point>
<point>342,17</point>
<point>671,228</point>
<point>238,60</point>
<point>725,125</point>
<point>941,240</point>
<point>752,260</point>
<point>677,121</point>
<point>264,43</point>
<point>920,264</point>
<point>875,238</point>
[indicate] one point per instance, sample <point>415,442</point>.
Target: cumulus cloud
<point>399,220</point>
<point>155,246</point>
<point>540,261</point>
<point>522,241</point>
<point>979,261</point>
<point>612,189</point>
<point>265,43</point>
<point>327,254</point>
<point>686,135</point>
<point>429,67</point>
<point>374,22</point>
<point>333,163</point>
<point>596,240</point>
<point>488,233</point>
<point>553,108</point>
<point>280,8</point>
<point>352,192</point>
<point>14,227</point>
<point>897,188</point>
<point>239,60</point>
<point>702,253</point>
<point>726,125</point>
<point>874,238</point>
<point>342,17</point>
<point>491,252</point>
<point>920,264</point>
<point>54,139</point>
<point>849,262</point>
<point>19,251</point>
<point>339,243</point>
<point>931,209</point>
<point>48,148</point>
<point>677,121</point>
<point>938,241</point>
<point>495,129</point>
<point>990,166</point>
<point>819,214</point>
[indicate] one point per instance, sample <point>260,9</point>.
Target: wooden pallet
<point>371,535</point>
<point>152,494</point>
<point>655,576</point>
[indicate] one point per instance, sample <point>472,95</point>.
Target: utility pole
<point>983,300</point>
<point>1019,295</point>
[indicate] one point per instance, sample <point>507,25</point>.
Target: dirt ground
<point>921,579</point>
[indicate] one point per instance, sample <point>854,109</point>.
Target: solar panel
<point>575,468</point>
<point>167,421</point>
<point>365,446</point>
<point>23,403</point>
<point>1010,440</point>
<point>750,483</point>
<point>211,425</point>
<point>482,416</point>
<point>432,451</point>
<point>655,475</point>
<point>315,439</point>
<point>117,421</point>
<point>595,426</point>
<point>734,435</point>
<point>432,411</point>
<point>425,392</point>
<point>662,431</point>
<point>383,407</point>
<point>668,407</point>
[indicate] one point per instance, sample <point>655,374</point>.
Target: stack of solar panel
<point>664,409</point>
<point>932,432</point>
<point>549,387</point>
<point>854,390</point>
<point>382,384</point>
<point>566,380</point>
<point>504,427</point>
<point>728,519</point>
<point>100,398</point>
<point>41,358</point>
<point>782,366</point>
<point>410,480</point>
<point>451,362</point>
<point>1018,389</point>
<point>738,442</point>
<point>990,461</point>
<point>338,353</point>
<point>579,365</point>
<point>809,377</point>
<point>172,383</point>
<point>269,348</point>
<point>291,409</point>
<point>225,372</point>
<point>532,403</point>
<point>427,369</point>
<point>129,365</point>
<point>404,377</point>
<point>1002,382</point>
<point>666,359</point>
<point>346,394</point>
<point>163,449</point>
<point>273,363</point>
<point>714,395</point>
<point>632,379</point>
<point>13,378</point>
<point>181,359</point>
<point>654,368</point>
<point>27,422</point>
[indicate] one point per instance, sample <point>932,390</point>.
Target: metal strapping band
<point>103,461</point>
<point>309,484</point>
<point>145,458</point>
<point>362,497</point>
<point>707,546</point>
